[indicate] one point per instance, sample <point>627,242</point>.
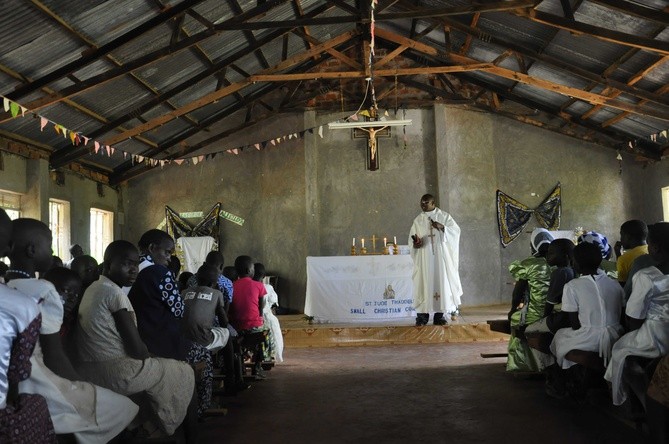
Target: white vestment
<point>649,301</point>
<point>436,282</point>
<point>272,321</point>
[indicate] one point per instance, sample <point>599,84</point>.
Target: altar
<point>347,289</point>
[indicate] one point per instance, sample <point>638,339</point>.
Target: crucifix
<point>372,154</point>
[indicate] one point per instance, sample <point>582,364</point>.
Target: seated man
<point>112,351</point>
<point>68,285</point>
<point>633,234</point>
<point>204,303</point>
<point>647,313</point>
<point>216,260</point>
<point>593,303</point>
<point>269,317</point>
<point>91,413</point>
<point>247,308</point>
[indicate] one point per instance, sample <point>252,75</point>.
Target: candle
<point>384,242</point>
<point>363,242</point>
<point>354,242</point>
<point>394,240</point>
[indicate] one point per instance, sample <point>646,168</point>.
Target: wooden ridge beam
<point>221,93</point>
<point>91,56</point>
<point>620,38</point>
<point>363,74</point>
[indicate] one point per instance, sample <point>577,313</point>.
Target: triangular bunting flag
<point>56,128</point>
<point>257,145</point>
<point>354,117</point>
<point>86,139</point>
<point>108,148</point>
<point>5,104</point>
<point>125,155</point>
<point>97,146</point>
<point>320,131</point>
<point>213,155</point>
<point>200,158</point>
<point>178,161</point>
<point>112,149</point>
<point>235,151</point>
<point>194,160</point>
<point>14,108</point>
<point>140,159</point>
<point>73,137</point>
<point>23,111</point>
<point>42,123</point>
<point>272,142</point>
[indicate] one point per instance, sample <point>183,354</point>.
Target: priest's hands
<point>437,225</point>
<point>417,241</point>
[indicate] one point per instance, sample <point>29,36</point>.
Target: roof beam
<point>234,5</point>
<point>141,62</point>
<point>91,56</point>
<point>620,38</point>
<point>545,58</point>
<point>636,9</point>
<point>217,95</point>
<point>64,156</point>
<point>414,14</point>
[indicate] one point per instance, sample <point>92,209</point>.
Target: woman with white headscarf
<point>532,279</point>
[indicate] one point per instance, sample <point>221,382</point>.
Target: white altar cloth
<point>359,288</point>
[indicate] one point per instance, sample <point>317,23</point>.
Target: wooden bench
<point>540,341</point>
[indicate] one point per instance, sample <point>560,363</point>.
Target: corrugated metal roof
<point>34,45</point>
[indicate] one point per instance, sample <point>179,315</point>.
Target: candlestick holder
<point>396,249</point>
<point>353,252</point>
<point>363,251</point>
<point>385,250</point>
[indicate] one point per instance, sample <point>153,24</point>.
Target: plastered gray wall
<point>31,178</point>
<point>311,196</point>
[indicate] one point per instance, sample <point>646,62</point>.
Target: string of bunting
<point>78,139</point>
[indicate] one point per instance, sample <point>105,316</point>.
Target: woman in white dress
<point>647,311</point>
<point>269,318</point>
<point>593,303</point>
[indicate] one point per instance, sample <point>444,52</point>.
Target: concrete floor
<point>404,394</point>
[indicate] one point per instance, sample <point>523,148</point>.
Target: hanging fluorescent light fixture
<point>369,124</point>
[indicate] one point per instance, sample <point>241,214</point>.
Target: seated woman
<point>593,303</point>
<point>112,352</point>
<point>268,315</point>
<point>560,255</point>
<point>647,311</point>
<point>68,285</point>
<point>529,298</point>
<point>24,418</point>
<point>90,412</point>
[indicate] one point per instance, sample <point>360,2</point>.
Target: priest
<point>436,283</point>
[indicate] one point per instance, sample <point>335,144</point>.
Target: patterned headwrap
<point>593,237</point>
<point>539,237</point>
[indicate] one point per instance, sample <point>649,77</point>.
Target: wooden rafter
<point>586,96</point>
<point>632,8</point>
<point>609,35</point>
<point>147,59</point>
<point>613,120</point>
<point>549,60</point>
<point>237,9</point>
<point>91,56</point>
<point>468,39</point>
<point>217,95</point>
<point>333,52</point>
<point>64,156</point>
<point>632,80</point>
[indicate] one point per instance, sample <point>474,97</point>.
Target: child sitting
<point>112,351</point>
<point>247,308</point>
<point>68,286</point>
<point>593,303</point>
<point>268,315</point>
<point>633,234</point>
<point>647,313</point>
<point>91,413</point>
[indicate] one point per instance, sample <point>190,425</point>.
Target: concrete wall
<point>311,196</point>
<point>31,179</point>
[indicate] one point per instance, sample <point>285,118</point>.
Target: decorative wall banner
<point>513,216</point>
<point>178,226</point>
